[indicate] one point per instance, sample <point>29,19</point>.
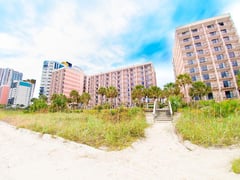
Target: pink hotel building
<point>123,79</point>
<point>209,51</point>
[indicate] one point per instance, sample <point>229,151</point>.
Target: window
<point>229,46</point>
<point>194,78</point>
<point>205,76</point>
<point>214,41</point>
<point>186,39</point>
<point>228,94</point>
<point>236,71</point>
<point>190,62</point>
<point>231,54</point>
<point>192,70</point>
<point>222,65</point>
<point>234,63</point>
<point>226,83</point>
<point>198,44</point>
<point>221,24</point>
<point>224,74</point>
<point>188,46</point>
<point>189,54</point>
<point>194,30</point>
<point>213,33</point>
<point>226,38</point>
<point>202,60</point>
<point>218,48</point>
<point>196,37</point>
<point>220,56</point>
<point>185,32</point>
<point>208,84</point>
<point>210,26</point>
<point>204,68</point>
<point>200,51</point>
<point>223,30</point>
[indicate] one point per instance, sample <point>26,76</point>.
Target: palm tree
<point>138,93</point>
<point>182,81</point>
<point>102,92</point>
<point>171,89</point>
<point>154,92</point>
<point>74,97</point>
<point>199,89</point>
<point>111,92</point>
<point>85,98</point>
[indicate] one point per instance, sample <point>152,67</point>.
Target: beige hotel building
<point>209,51</point>
<point>123,79</point>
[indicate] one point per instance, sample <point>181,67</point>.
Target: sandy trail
<point>25,155</point>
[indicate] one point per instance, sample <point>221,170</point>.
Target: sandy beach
<point>27,155</point>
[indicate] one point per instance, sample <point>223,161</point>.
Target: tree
<point>138,93</point>
<point>39,104</point>
<point>102,92</point>
<point>182,81</point>
<point>74,98</point>
<point>238,79</point>
<point>171,89</point>
<point>111,92</point>
<point>85,98</point>
<point>154,92</point>
<point>199,89</point>
<point>58,102</point>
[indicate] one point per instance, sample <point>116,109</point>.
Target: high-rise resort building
<point>47,69</point>
<point>66,79</point>
<point>7,76</point>
<point>124,80</point>
<point>209,51</point>
<point>21,93</point>
<point>4,92</point>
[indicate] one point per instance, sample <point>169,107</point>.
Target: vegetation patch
<point>236,166</point>
<point>115,129</point>
<point>209,123</point>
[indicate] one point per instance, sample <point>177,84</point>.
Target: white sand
<point>25,155</point>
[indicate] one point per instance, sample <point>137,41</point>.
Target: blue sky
<point>98,35</point>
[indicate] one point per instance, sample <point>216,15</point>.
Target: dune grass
<point>236,166</point>
<point>211,124</point>
<point>114,129</point>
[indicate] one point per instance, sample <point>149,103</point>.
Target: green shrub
<point>176,102</point>
<point>236,166</point>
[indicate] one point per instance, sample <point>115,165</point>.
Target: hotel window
<point>214,41</point>
<point>198,44</point>
<point>222,65</point>
<point>188,46</point>
<point>236,72</point>
<point>194,78</point>
<point>204,68</point>
<point>200,51</point>
<point>224,74</point>
<point>231,54</point>
<point>210,26</point>
<point>185,32</point>
<point>206,76</point>
<point>221,23</point>
<point>223,30</point>
<point>208,84</point>
<point>220,56</point>
<point>202,60</point>
<point>234,63</point>
<point>189,54</point>
<point>229,46</point>
<point>226,38</point>
<point>194,30</point>
<point>226,83</point>
<point>186,39</point>
<point>190,62</point>
<point>192,70</point>
<point>213,33</point>
<point>196,37</point>
<point>218,48</point>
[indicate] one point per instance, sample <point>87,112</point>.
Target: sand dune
<point>26,155</point>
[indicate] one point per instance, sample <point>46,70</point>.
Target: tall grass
<point>211,123</point>
<point>115,129</point>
